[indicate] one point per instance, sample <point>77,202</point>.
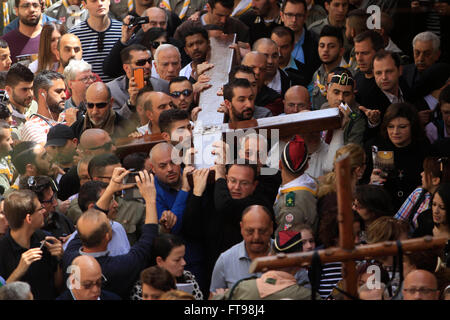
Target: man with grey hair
<point>167,61</point>
<point>17,290</point>
<point>124,89</point>
<point>426,49</point>
<point>79,77</point>
<point>49,90</point>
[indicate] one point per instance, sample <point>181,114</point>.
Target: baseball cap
<point>58,135</point>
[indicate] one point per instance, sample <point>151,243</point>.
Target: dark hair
<point>340,71</point>
<point>4,111</point>
<point>375,38</point>
<point>284,3</point>
<point>437,168</point>
<point>330,31</point>
<point>403,110</point>
<point>229,4</point>
<point>17,205</point>
<point>196,30</point>
<point>44,80</point>
<point>39,185</point>
<point>3,44</point>
<point>90,193</point>
<point>168,117</point>
<point>444,192</point>
<point>357,19</point>
<point>99,162</point>
<point>383,54</point>
<point>125,53</point>
<point>177,80</point>
<point>328,228</point>
<point>23,154</point>
<point>236,83</point>
<point>375,199</point>
<point>135,161</point>
<point>158,278</point>
<point>239,68</point>
<point>147,88</point>
<point>3,75</point>
<point>162,246</point>
<point>282,31</point>
<point>425,260</point>
<point>18,73</point>
<point>244,163</point>
<point>96,237</point>
<point>151,35</point>
<point>444,96</point>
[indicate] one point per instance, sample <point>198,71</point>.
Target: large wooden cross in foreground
<point>346,252</point>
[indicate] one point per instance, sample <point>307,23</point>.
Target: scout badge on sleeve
<point>290,199</point>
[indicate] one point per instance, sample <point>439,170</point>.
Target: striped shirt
<point>89,42</point>
<point>405,210</point>
<point>330,276</point>
<point>36,129</point>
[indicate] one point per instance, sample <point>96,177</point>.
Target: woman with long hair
<point>435,172</point>
<point>48,58</point>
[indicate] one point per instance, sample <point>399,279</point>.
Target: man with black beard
<point>49,90</point>
<point>69,47</point>
<point>197,47</point>
<point>239,100</point>
<point>25,39</point>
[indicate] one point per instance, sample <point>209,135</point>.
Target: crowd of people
<point>80,220</point>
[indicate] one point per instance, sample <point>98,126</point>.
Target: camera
<point>134,21</point>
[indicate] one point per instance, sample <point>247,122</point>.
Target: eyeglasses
<point>242,184</point>
<point>99,283</point>
<point>29,5</point>
<point>86,79</point>
<point>100,105</point>
<point>142,62</point>
<point>53,198</point>
<point>106,146</point>
<point>156,44</point>
<point>419,290</point>
<point>293,15</point>
<point>177,94</point>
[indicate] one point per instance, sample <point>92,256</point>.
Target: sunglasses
<point>100,105</point>
<point>142,62</point>
<point>177,94</point>
<point>156,44</point>
<point>100,41</point>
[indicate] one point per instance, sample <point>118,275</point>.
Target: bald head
<point>258,62</point>
<point>269,49</point>
<point>87,273</point>
<point>95,141</point>
<point>296,99</point>
<point>94,229</point>
<point>157,18</point>
<point>167,172</point>
<point>420,285</point>
<point>69,47</point>
<point>99,88</point>
<point>256,229</point>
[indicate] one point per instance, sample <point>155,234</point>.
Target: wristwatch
<point>130,105</point>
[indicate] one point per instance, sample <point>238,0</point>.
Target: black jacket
<point>312,60</point>
<point>257,28</point>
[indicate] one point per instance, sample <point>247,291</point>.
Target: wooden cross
<point>209,126</point>
<point>346,251</point>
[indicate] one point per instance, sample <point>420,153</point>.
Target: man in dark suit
<point>293,15</point>
<point>426,53</point>
<point>124,89</point>
<point>85,281</point>
<point>295,70</point>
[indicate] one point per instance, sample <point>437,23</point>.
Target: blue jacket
<point>121,271</point>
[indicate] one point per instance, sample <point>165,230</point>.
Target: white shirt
<point>186,71</point>
<point>275,84</point>
<point>145,129</point>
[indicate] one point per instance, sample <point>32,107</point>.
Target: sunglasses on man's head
<point>142,62</point>
<point>99,105</point>
<point>156,44</point>
<point>177,94</point>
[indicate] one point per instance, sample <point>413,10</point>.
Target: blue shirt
<point>15,23</point>
<point>168,198</point>
<point>297,53</point>
<point>231,266</point>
